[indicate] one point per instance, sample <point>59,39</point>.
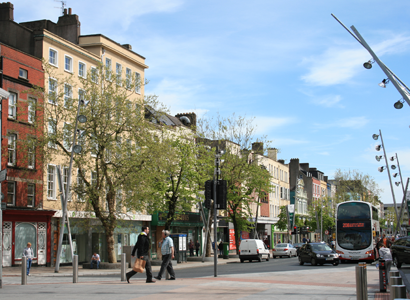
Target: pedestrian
<point>304,240</point>
<point>197,245</point>
<point>221,248</point>
<point>191,248</point>
<point>142,246</point>
<point>385,254</point>
<point>95,259</point>
<point>28,254</point>
<point>167,251</point>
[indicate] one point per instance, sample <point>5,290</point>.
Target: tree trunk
<point>209,240</point>
<point>237,234</point>
<point>171,212</point>
<point>109,235</point>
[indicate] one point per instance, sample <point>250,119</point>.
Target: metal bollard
<point>361,281</point>
<point>397,291</point>
<point>23,271</point>
<point>395,280</point>
<point>382,275</point>
<point>123,266</point>
<point>75,268</point>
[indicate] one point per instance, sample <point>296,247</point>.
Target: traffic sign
<point>326,232</point>
<point>3,175</point>
<point>3,206</point>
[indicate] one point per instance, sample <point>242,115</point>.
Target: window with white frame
<point>82,70</point>
<point>94,74</point>
<point>12,139</point>
<point>31,110</point>
<point>68,63</point>
<point>94,178</point>
<point>67,136</point>
<point>68,95</point>
<point>53,57</point>
<point>31,156</point>
<point>31,188</point>
<point>118,71</point>
<point>23,73</point>
<point>11,193</point>
<point>13,106</point>
<point>138,82</point>
<point>51,133</point>
<point>80,187</point>
<point>128,77</point>
<point>51,182</point>
<point>118,199</point>
<point>108,69</point>
<point>52,91</point>
<point>65,179</point>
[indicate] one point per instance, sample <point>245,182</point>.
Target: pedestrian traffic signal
<point>295,229</point>
<point>221,193</point>
<point>209,193</point>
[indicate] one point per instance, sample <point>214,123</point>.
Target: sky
<point>288,64</point>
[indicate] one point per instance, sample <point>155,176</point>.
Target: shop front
<point>88,236</point>
<point>21,226</point>
<point>189,223</point>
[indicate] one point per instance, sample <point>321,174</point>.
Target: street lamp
<point>384,83</point>
<point>379,157</point>
<point>398,104</point>
<point>368,64</point>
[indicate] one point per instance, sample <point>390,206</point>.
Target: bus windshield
<point>353,238</point>
<point>353,211</point>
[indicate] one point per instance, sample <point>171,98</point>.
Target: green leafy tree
<point>114,172</point>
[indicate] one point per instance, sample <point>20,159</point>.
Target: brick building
<point>24,220</point>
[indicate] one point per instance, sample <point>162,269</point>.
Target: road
<point>275,279</point>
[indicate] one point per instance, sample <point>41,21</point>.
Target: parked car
<point>252,249</point>
<point>401,251</point>
<point>318,253</point>
<point>284,250</point>
<point>298,246</point>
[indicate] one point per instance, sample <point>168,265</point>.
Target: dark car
<point>317,253</point>
<point>401,251</point>
<point>298,246</point>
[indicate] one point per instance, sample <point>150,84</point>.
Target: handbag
<point>139,265</point>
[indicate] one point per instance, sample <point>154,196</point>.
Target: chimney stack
<point>6,11</point>
<point>65,11</point>
<point>69,11</point>
<point>273,154</point>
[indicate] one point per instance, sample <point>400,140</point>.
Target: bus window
<point>353,210</point>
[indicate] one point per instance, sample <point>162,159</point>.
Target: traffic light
<point>295,229</point>
<point>209,193</point>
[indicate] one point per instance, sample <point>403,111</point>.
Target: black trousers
<point>148,269</point>
<point>166,264</point>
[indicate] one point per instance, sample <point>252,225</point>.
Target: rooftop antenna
<point>63,5</point>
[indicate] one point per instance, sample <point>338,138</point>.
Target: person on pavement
<point>385,254</point>
<point>28,254</point>
<point>142,246</point>
<point>197,245</point>
<point>167,251</point>
<point>191,248</point>
<point>95,259</point>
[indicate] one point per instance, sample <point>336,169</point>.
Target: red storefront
<point>24,220</point>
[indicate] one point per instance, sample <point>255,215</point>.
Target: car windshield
<point>321,248</point>
<point>298,245</point>
<point>282,245</point>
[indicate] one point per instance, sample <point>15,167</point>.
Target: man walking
<point>167,251</point>
<point>142,247</point>
<point>28,254</point>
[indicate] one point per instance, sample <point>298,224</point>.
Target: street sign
<point>291,213</point>
<point>3,175</point>
<point>3,206</point>
<point>326,232</point>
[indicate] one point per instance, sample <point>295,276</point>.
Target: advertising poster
<point>232,244</point>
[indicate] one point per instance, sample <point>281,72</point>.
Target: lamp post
<point>400,86</point>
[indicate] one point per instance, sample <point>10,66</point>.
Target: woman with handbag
<point>142,247</point>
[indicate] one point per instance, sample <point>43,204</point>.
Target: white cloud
<point>328,101</point>
<point>353,122</point>
<point>266,124</point>
<point>338,65</point>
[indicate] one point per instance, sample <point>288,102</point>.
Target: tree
<point>114,172</point>
<point>354,185</point>
<point>240,166</point>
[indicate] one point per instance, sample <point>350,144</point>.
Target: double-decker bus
<point>357,230</point>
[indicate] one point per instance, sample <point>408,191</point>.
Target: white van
<point>253,250</point>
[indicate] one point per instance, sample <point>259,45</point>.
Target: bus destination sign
<point>353,225</point>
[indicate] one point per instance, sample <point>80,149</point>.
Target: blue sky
<point>289,64</point>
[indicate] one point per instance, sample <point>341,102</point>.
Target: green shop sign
<point>180,219</point>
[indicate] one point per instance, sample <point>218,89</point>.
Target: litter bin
<point>225,250</point>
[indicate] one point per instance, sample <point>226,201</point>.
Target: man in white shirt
<point>95,259</point>
<point>28,254</point>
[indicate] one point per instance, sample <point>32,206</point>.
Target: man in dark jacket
<point>142,247</point>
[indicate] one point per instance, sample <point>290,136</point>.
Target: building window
<point>22,73</point>
<point>31,157</point>
<point>52,91</point>
<point>128,78</point>
<point>31,110</point>
<point>11,193</point>
<point>118,69</point>
<point>67,136</point>
<point>52,133</point>
<point>52,57</point>
<point>93,178</point>
<point>65,179</point>
<point>68,64</point>
<point>12,105</point>
<point>94,75</point>
<point>30,195</point>
<point>82,71</point>
<point>68,95</point>
<point>12,138</point>
<point>138,82</point>
<point>80,187</point>
<point>51,176</point>
<point>108,69</point>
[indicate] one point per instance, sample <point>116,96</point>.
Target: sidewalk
<point>67,271</point>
